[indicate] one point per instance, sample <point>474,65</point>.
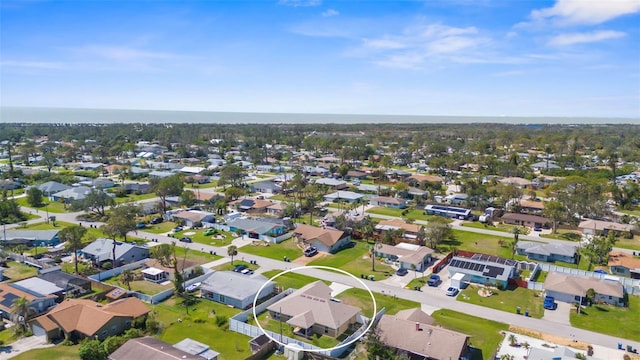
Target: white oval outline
<point>255,300</point>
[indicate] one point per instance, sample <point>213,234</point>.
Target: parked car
<point>239,268</point>
<point>186,239</point>
<point>550,303</point>
<point>141,225</point>
<point>451,291</point>
<point>193,287</point>
<point>246,271</point>
<point>402,272</point>
<point>310,251</point>
<point>210,231</point>
<point>176,229</point>
<point>537,228</point>
<point>157,220</point>
<point>434,280</point>
<point>600,271</point>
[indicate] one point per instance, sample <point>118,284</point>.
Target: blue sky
<point>567,58</point>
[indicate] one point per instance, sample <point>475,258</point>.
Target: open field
<point>506,300</point>
<point>17,271</point>
<point>361,298</point>
<point>291,279</point>
<point>356,261</point>
<point>611,320</point>
<point>47,205</point>
<point>287,248</point>
<point>58,352</point>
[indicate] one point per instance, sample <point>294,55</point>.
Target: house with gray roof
<point>192,217</point>
<point>39,287</point>
<point>257,228</point>
<point>72,284</point>
<point>101,251</point>
<point>572,289</point>
<point>235,289</point>
<point>30,237</point>
<point>77,193</point>
<point>51,187</point>
<point>346,196</point>
<point>160,174</point>
<point>387,201</point>
<point>266,187</point>
<point>311,310</point>
<point>483,269</point>
<point>407,256</point>
<point>547,252</point>
<point>149,347</point>
<point>193,347</point>
<point>332,183</point>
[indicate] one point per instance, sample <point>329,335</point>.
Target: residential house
<point>235,289</point>
<point>76,193</point>
<point>30,237</point>
<point>40,288</point>
<point>251,206</point>
<point>526,220</point>
<point>192,217</point>
<point>148,347</point>
<point>547,252</point>
<point>73,285</point>
<point>407,256</point>
<point>545,165</point>
<point>346,196</point>
<point>258,228</point>
<point>599,227</point>
<point>520,183</point>
<point>555,353</point>
<point>398,174</point>
<point>51,187</point>
<point>409,231</point>
<point>193,347</point>
<point>531,207</point>
<point>625,264</point>
<point>89,167</point>
<point>101,250</point>
<point>310,311</point>
<point>456,199</point>
<point>154,271</point>
<point>327,240</point>
<point>266,187</point>
<point>483,269</point>
<point>277,209</point>
<point>417,179</point>
<point>76,319</point>
<point>137,188</point>
<point>192,170</point>
<point>410,332</point>
<point>572,289</point>
<point>315,171</point>
<point>417,194</point>
<point>389,202</point>
<point>160,174</point>
<point>332,183</point>
<point>37,303</point>
<point>356,174</point>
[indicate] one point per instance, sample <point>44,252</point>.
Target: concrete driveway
<point>560,314</point>
<point>22,345</point>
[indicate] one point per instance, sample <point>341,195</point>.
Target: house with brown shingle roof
<point>323,239</point>
<point>310,310</point>
<point>388,201</point>
<point>571,289</point>
<point>408,333</point>
<point>410,231</point>
<point>81,318</point>
<point>625,264</point>
<point>418,178</point>
<point>599,227</point>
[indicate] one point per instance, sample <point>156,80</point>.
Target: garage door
<point>38,331</point>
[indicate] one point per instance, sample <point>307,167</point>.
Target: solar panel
<point>8,300</point>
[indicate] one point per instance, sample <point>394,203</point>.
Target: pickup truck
<point>550,303</point>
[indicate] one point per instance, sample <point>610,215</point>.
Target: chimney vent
<point>417,326</point>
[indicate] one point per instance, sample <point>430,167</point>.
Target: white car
<point>451,291</point>
<point>193,287</point>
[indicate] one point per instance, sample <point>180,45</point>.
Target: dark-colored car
<point>310,251</point>
<point>402,272</point>
<point>550,303</point>
<point>157,220</point>
<point>186,239</point>
<point>434,280</point>
<point>141,225</point>
<point>239,268</point>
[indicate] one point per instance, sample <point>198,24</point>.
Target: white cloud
<point>300,3</point>
<point>585,37</point>
<point>330,13</point>
<point>585,12</point>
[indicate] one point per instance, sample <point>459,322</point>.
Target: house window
<point>610,297</point>
<point>326,330</point>
<point>113,329</point>
<point>223,298</point>
<point>128,322</point>
<point>576,298</point>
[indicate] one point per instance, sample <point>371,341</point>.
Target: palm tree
<point>20,308</point>
<point>516,233</point>
<point>73,235</point>
<point>512,340</point>
<point>126,277</point>
<point>232,251</point>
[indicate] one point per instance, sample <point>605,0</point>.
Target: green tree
<point>122,220</point>
<point>232,251</point>
<point>554,211</point>
<point>514,243</point>
<point>92,350</point>
<point>73,235</point>
<point>231,174</point>
<point>96,201</point>
<point>233,193</point>
<point>20,308</point>
<point>126,277</point>
<point>591,295</point>
<point>188,198</point>
<point>168,186</point>
<point>112,343</point>
<point>34,197</point>
<point>437,230</point>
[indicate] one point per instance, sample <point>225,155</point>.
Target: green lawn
<point>236,262</point>
<point>286,248</point>
<point>361,298</point>
<point>506,300</point>
<point>200,325</point>
<point>562,234</point>
<point>291,279</point>
<point>59,352</point>
<point>142,286</point>
<point>356,261</point>
<point>499,227</point>
<point>83,268</point>
<point>471,241</point>
<point>414,214</point>
<point>632,244</point>
<point>7,336</point>
<point>610,320</point>
<point>134,198</point>
<point>634,211</point>
<point>47,205</point>
<point>485,334</point>
<point>17,271</point>
<point>196,255</point>
<point>161,228</point>
<point>222,238</point>
<point>419,281</point>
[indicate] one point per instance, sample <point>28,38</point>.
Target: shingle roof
<point>312,305</point>
<point>546,249</point>
<point>400,224</point>
<point>326,236</point>
<point>233,285</point>
<point>618,258</point>
<point>387,200</point>
<point>102,249</point>
<point>602,225</point>
<point>405,255</point>
<point>150,348</point>
<point>525,217</point>
<point>578,285</point>
<point>252,225</point>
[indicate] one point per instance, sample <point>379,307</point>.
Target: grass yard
<point>221,238</point>
<point>356,261</point>
<point>83,268</point>
<point>58,352</point>
<point>485,334</point>
<point>7,336</point>
<point>635,211</point>
<point>291,279</point>
<point>415,214</point>
<point>420,281</point>
<point>268,323</point>
<point>610,320</point>
<point>47,205</point>
<point>470,241</point>
<point>361,298</point>
<point>506,300</point>
<point>200,325</point>
<point>134,198</point>
<point>632,244</point>
<point>563,234</point>
<point>142,286</point>
<point>161,228</point>
<point>17,271</point>
<point>500,227</point>
<point>196,255</point>
<point>287,248</point>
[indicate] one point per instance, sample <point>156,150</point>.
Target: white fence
<point>116,271</point>
<point>631,286</point>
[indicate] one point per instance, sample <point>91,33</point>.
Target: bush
<point>67,342</point>
<point>92,350</point>
<point>199,321</point>
<point>112,343</point>
<point>152,325</point>
<point>106,265</point>
<point>221,320</point>
<point>133,333</point>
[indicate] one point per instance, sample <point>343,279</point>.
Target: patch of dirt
<point>550,338</point>
<point>189,233</point>
<point>304,260</point>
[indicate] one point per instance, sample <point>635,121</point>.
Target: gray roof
<point>34,235</point>
<point>578,285</point>
<point>37,287</point>
<point>330,182</point>
<point>253,225</point>
<point>350,195</point>
<point>76,193</point>
<point>150,348</point>
<point>51,187</point>
<point>102,249</point>
<point>160,174</point>
<point>196,348</point>
<point>266,185</point>
<point>562,352</point>
<point>533,247</point>
<point>233,285</point>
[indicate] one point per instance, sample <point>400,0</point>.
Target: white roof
<point>37,285</point>
<point>152,271</point>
